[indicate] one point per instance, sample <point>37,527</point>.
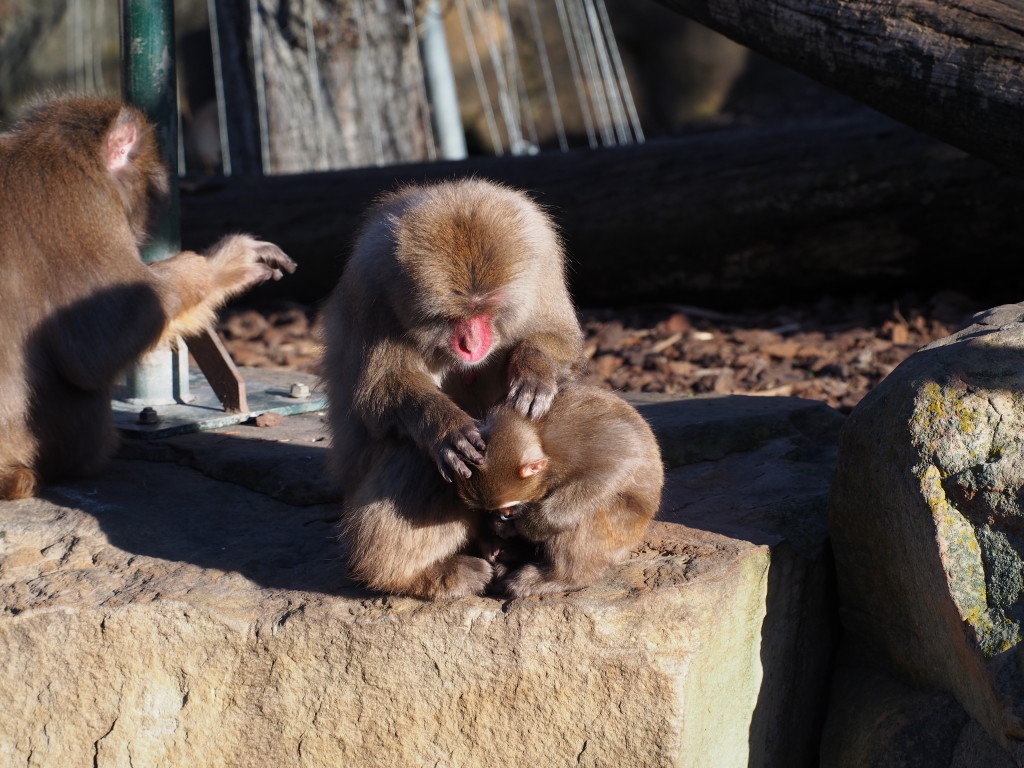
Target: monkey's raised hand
<point>458,446</point>
<point>203,283</point>
<point>242,261</point>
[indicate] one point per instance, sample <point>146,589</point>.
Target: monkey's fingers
<point>470,447</point>
<point>274,258</point>
<point>473,436</point>
<point>448,461</point>
<point>542,400</point>
<point>443,470</point>
<point>515,385</point>
<point>532,398</point>
<point>258,272</point>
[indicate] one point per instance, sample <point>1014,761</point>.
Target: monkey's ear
<point>120,140</point>
<point>533,467</point>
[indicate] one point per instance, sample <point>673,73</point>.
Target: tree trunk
<point>951,68</point>
<point>738,215</point>
<point>341,81</point>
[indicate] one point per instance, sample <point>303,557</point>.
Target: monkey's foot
<point>533,579</point>
<point>19,483</point>
<point>461,576</point>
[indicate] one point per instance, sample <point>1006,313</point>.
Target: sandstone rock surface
<point>189,607</point>
<point>927,525</point>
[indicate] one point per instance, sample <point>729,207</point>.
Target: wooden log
<point>335,79</point>
<point>752,215</point>
<point>951,68</point>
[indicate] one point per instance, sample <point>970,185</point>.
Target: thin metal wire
<point>509,117</point>
<point>182,164</point>
<point>577,77</point>
<point>218,89</point>
<point>616,111</point>
<point>587,55</point>
<point>88,49</point>
<point>521,98</point>
<point>507,63</point>
<point>256,26</point>
<point>425,106</point>
<point>620,72</point>
<point>316,92</point>
<point>97,55</point>
<point>478,75</point>
<point>549,80</point>
<point>75,44</point>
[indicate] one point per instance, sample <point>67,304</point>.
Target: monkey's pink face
<point>471,339</point>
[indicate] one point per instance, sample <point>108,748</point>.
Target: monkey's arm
<point>95,338</point>
<point>192,287</point>
<point>394,391</point>
<point>91,340</point>
<point>561,510</point>
<point>538,365</point>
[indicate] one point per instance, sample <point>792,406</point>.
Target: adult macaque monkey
<point>454,299</point>
<point>77,304</point>
<point>581,482</point>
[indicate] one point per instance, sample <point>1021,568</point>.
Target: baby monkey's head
<point>515,468</point>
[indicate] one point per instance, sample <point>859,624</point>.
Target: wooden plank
<point>951,68</point>
<point>220,371</point>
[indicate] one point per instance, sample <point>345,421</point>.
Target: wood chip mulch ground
<point>834,350</point>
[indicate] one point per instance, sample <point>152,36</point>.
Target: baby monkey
<point>580,484</point>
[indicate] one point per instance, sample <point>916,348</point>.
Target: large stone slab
<point>928,525</point>
<point>189,607</point>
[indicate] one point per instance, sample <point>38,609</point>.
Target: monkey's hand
<point>533,579</point>
<point>532,382</point>
<point>191,286</point>
<point>458,446</point>
<point>241,262</point>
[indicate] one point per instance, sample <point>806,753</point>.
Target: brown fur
<point>587,505</point>
<point>402,401</point>
<point>78,178</point>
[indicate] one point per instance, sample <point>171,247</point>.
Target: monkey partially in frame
<point>580,484</point>
<point>454,299</point>
<point>78,177</point>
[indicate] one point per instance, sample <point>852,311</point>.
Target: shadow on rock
<point>261,508</point>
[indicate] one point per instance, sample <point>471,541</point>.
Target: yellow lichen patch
<point>931,406</point>
<point>950,420</point>
<point>959,551</point>
<point>996,633</point>
<point>949,406</point>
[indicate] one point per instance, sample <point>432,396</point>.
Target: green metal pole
<point>148,81</point>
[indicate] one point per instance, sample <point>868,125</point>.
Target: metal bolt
<point>149,416</point>
<point>299,390</point>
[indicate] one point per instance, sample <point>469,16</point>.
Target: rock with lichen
<point>927,522</point>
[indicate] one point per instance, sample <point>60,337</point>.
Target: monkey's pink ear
<point>533,467</point>
<point>120,140</point>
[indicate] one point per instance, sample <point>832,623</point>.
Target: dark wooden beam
<point>752,215</point>
<point>951,68</point>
